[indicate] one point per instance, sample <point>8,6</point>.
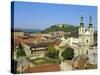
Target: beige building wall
<point>18,34</point>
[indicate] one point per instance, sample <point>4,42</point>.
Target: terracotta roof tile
<point>57,42</point>
<point>44,68</point>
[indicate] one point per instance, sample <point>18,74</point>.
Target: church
<point>86,36</point>
<point>84,40</point>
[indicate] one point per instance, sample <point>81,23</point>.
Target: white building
<point>86,36</point>
<point>92,54</point>
<point>83,41</point>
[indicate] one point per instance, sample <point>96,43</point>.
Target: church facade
<point>86,36</point>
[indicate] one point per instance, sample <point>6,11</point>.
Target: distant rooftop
<point>73,34</point>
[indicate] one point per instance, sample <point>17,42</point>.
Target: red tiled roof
<point>44,68</point>
<point>57,42</point>
<point>27,39</point>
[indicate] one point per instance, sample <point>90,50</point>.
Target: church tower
<point>81,28</point>
<point>91,30</point>
<point>90,27</point>
<point>81,31</point>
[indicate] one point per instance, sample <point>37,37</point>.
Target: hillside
<point>27,30</point>
<point>62,27</point>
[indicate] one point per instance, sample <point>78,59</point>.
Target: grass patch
<point>44,60</point>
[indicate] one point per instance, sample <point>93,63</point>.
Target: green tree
<point>52,52</point>
<point>20,51</point>
<point>68,54</point>
<point>65,28</point>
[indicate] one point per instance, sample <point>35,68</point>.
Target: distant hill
<point>27,30</point>
<point>56,27</point>
<point>62,27</point>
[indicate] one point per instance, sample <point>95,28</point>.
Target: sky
<point>30,15</point>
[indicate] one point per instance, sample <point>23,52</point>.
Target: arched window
<point>87,41</point>
<point>22,67</point>
<point>87,52</point>
<point>82,30</point>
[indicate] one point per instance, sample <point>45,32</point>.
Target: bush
<point>20,51</point>
<point>68,54</point>
<point>52,52</point>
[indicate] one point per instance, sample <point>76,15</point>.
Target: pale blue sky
<point>42,15</point>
